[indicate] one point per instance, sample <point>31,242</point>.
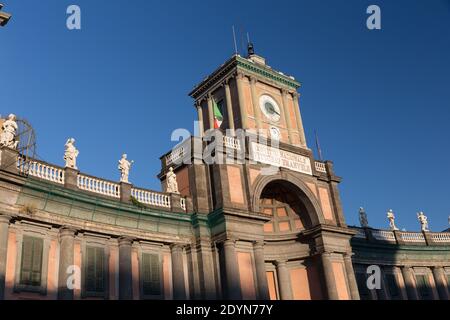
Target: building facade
<point>256,216</point>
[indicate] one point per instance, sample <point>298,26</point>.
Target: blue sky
<point>379,99</point>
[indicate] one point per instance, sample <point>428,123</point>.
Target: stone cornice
<point>239,64</point>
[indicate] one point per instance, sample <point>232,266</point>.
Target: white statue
<point>172,184</point>
<point>363,218</point>
<point>71,154</point>
<point>423,221</point>
<point>391,218</point>
<point>9,131</point>
<point>124,167</point>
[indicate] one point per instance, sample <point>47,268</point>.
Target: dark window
<point>151,275</point>
<point>423,287</point>
<point>95,270</point>
<point>31,267</point>
<point>448,282</point>
<point>392,286</point>
<point>361,280</point>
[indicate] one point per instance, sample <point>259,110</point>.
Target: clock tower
<point>246,93</point>
<point>268,219</point>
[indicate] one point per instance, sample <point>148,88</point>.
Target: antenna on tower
<point>250,47</point>
<point>319,150</point>
<point>235,43</point>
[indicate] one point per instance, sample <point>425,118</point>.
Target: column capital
<point>239,74</point>
<point>176,247</point>
<point>229,242</point>
<point>258,245</point>
<point>284,92</point>
<point>5,217</point>
<point>281,262</point>
<point>66,231</point>
<point>253,80</point>
<point>125,241</point>
<point>295,95</point>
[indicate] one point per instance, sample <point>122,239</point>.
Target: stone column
<point>301,130</point>
<point>329,276</point>
<point>179,289</point>
<point>232,271</point>
<point>351,277</point>
<point>201,128</point>
<point>240,91</point>
<point>409,283</point>
<point>66,252</point>
<point>438,274</point>
<point>229,106</point>
<point>255,103</point>
<point>210,112</point>
<point>4,233</point>
<point>284,280</point>
<point>125,274</point>
<point>261,278</point>
<point>287,115</point>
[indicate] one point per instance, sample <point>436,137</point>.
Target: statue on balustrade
<point>363,218</point>
<point>391,218</point>
<point>172,184</point>
<point>124,167</point>
<point>71,154</point>
<point>423,221</point>
<point>9,131</point>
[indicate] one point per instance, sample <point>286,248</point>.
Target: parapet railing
<point>41,170</point>
<point>118,191</point>
<point>402,237</point>
<point>151,197</point>
<point>383,235</point>
<point>412,237</point>
<point>320,167</point>
<point>100,186</point>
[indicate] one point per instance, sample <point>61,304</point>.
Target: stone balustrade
<point>231,142</point>
<point>183,203</point>
<point>152,198</point>
<point>320,167</point>
<point>383,235</point>
<point>402,237</point>
<point>73,179</point>
<point>175,155</point>
<point>41,170</point>
<point>412,237</point>
<point>96,185</point>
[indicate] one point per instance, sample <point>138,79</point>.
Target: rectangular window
<point>31,266</point>
<point>361,280</point>
<point>151,275</point>
<point>423,287</point>
<point>391,284</point>
<point>95,271</point>
<point>448,282</point>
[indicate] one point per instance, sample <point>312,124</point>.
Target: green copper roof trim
<point>56,190</point>
<point>271,74</point>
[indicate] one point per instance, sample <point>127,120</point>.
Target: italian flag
<point>218,117</point>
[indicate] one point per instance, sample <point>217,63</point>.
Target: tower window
<point>31,266</point>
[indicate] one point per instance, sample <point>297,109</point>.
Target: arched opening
<point>281,200</point>
<point>291,271</point>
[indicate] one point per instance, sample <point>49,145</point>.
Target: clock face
<point>275,133</point>
<point>270,108</point>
